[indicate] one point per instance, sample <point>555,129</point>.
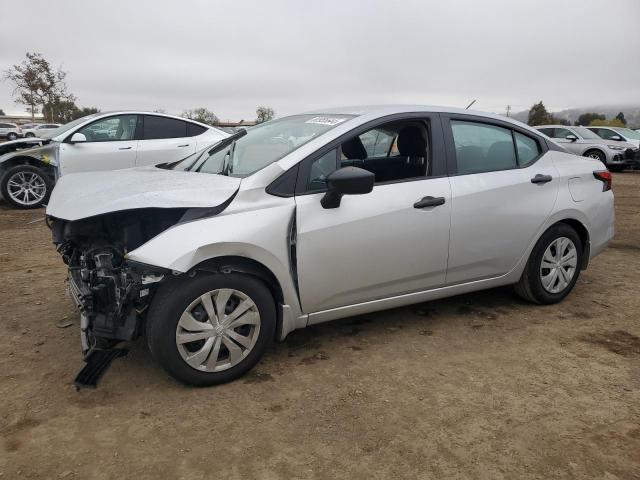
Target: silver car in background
<point>320,216</point>
<point>39,130</point>
<point>582,141</point>
<point>618,134</point>
<point>10,131</point>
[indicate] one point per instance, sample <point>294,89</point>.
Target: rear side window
<point>482,148</point>
<point>547,131</point>
<point>163,127</point>
<point>527,148</point>
<point>194,130</point>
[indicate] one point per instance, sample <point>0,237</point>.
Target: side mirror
<point>573,138</point>
<point>346,181</point>
<point>617,138</point>
<point>78,138</point>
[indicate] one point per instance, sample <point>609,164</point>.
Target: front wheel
<point>30,134</point>
<point>553,267</point>
<point>26,186</point>
<point>12,136</point>
<point>597,155</point>
<point>210,328</point>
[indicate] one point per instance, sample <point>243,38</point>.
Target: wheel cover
<point>218,330</point>
<point>26,188</point>
<point>559,265</point>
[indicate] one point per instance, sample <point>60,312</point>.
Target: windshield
<point>261,145</point>
<point>627,132</point>
<point>67,126</point>
<point>586,133</point>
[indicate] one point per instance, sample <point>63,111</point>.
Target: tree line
<point>41,88</point>
<point>538,115</point>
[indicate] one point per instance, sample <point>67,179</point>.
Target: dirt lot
<point>480,386</point>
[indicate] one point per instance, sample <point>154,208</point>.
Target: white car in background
<point>10,131</point>
<point>618,134</point>
<point>39,130</point>
<point>102,141</point>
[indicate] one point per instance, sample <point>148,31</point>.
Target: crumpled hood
<point>83,195</point>
<point>38,148</point>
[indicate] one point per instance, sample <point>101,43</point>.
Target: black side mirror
<point>617,138</point>
<point>573,138</point>
<point>346,181</point>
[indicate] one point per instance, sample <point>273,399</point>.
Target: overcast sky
<point>231,56</point>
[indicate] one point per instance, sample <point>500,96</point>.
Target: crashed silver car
<point>320,216</point>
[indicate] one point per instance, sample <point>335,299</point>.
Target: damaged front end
<point>112,293</point>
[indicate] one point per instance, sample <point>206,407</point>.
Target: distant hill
<point>631,113</point>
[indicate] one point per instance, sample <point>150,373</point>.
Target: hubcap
<point>559,264</point>
<point>26,188</point>
<point>594,155</point>
<point>218,330</point>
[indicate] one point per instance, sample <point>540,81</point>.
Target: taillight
<point>605,177</point>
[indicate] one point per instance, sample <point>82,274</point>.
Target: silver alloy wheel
<point>595,155</point>
<point>559,264</point>
<point>218,330</point>
<point>26,188</point>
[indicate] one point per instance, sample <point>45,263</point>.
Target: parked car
<point>102,141</point>
<point>10,131</point>
<point>296,222</point>
<point>617,134</point>
<point>39,130</point>
<point>582,141</point>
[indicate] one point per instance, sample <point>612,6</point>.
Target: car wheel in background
<point>553,267</point>
<point>596,154</point>
<point>26,186</point>
<point>30,134</point>
<point>210,328</point>
<point>11,136</point>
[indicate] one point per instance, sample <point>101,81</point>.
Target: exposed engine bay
<point>112,293</point>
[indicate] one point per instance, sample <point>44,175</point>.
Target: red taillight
<point>605,177</point>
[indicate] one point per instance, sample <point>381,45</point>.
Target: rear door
<point>110,145</point>
<point>164,139</point>
<point>496,208</point>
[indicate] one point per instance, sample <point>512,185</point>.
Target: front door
<point>388,242</point>
<point>109,145</point>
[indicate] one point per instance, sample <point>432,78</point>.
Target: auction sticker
<point>331,121</point>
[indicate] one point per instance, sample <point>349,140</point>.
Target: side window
<point>562,133</point>
<point>606,133</point>
<point>527,148</point>
<point>112,129</point>
<point>194,130</point>
<point>548,132</point>
<point>482,148</point>
<point>163,127</point>
<point>377,142</point>
<point>320,168</point>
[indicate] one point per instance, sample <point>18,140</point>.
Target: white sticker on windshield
<point>331,121</point>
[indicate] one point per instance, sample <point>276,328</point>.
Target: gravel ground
<point>480,386</point>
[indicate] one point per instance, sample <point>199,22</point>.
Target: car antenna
<point>470,104</point>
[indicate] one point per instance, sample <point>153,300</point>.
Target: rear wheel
<point>30,134</point>
<point>211,328</point>
<point>12,136</point>
<point>26,186</point>
<point>553,267</point>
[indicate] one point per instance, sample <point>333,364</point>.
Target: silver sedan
<point>320,216</point>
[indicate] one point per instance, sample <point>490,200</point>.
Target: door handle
<point>185,145</point>
<point>426,202</point>
<point>124,148</point>
<point>541,178</point>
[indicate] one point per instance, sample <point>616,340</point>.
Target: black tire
<point>176,295</point>
<point>11,136</point>
<point>30,134</point>
<point>46,179</point>
<point>530,285</point>
<point>596,154</point>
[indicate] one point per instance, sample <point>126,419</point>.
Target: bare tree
<point>38,85</point>
<point>264,114</point>
<point>201,115</point>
